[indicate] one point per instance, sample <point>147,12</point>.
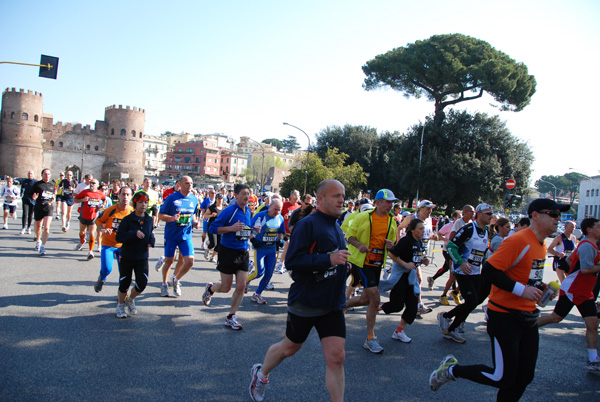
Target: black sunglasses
<point>551,214</point>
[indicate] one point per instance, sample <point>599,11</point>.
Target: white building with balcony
<point>589,198</point>
<point>155,152</point>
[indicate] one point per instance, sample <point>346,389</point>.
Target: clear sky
<point>245,67</point>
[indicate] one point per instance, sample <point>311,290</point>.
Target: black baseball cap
<point>541,204</point>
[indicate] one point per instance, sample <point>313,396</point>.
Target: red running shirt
<point>89,209</point>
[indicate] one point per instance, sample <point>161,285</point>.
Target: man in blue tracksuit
<point>233,224</point>
<point>317,258</point>
<point>268,229</point>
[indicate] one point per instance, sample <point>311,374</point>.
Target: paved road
<point>60,341</point>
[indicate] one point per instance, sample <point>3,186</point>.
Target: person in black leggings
<point>136,233</point>
<point>28,203</point>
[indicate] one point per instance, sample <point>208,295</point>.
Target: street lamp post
<point>307,154</point>
<point>583,173</point>
<point>547,182</point>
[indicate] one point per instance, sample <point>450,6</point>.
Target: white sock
<point>262,377</point>
<point>592,355</point>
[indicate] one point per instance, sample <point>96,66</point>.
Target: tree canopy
<point>567,185</point>
<point>466,160</point>
<point>274,142</point>
<point>359,143</point>
<point>332,166</point>
<point>290,144</point>
<point>453,68</point>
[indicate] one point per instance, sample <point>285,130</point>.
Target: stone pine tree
<point>448,69</point>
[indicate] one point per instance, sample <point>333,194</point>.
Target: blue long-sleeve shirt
<point>317,284</point>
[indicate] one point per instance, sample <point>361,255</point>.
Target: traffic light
<point>507,200</point>
<point>515,198</point>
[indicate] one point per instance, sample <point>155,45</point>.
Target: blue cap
<point>385,194</point>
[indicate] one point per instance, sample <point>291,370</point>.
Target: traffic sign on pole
<point>510,184</point>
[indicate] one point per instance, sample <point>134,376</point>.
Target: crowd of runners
<point>340,254</point>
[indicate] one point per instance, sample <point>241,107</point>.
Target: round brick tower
<point>125,143</point>
<point>21,146</point>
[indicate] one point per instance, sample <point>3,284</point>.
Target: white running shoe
<point>401,336</point>
<point>79,246</point>
<point>430,282</point>
<point>232,323</point>
<point>121,311</point>
<point>176,287</point>
<point>442,375</point>
<point>455,336</point>
<point>444,323</point>
<point>206,296</point>
<point>424,309</point>
<point>130,306</point>
<point>5,226</point>
<point>38,244</point>
<point>258,299</point>
<point>257,386</point>
<point>90,255</point>
<point>280,268</point>
<point>28,230</point>
<point>23,231</point>
<point>373,346</point>
<point>42,250</point>
<point>164,290</point>
<point>160,263</point>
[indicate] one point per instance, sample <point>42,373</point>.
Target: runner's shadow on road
<point>45,300</point>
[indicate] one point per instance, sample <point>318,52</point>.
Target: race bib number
<point>568,253</point>
<point>476,257</point>
<point>375,257</point>
<point>270,237</point>
<point>184,219</point>
<point>115,224</point>
<point>244,234</point>
<point>67,193</point>
<point>536,276</point>
<point>425,244</point>
<point>47,195</point>
<point>94,203</point>
<point>417,257</point>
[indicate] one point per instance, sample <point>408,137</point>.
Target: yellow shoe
<point>456,297</point>
<point>444,300</point>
